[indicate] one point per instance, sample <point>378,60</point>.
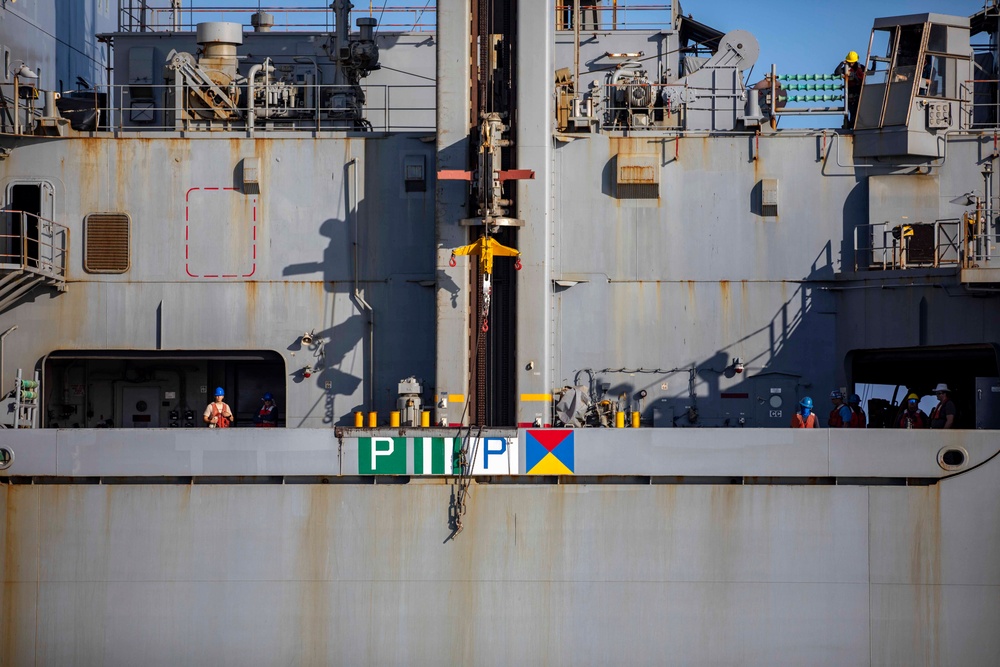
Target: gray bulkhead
<point>657,294</point>
<point>216,269</point>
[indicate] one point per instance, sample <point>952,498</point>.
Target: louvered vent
<point>106,243</point>
<point>638,177</point>
<point>769,197</point>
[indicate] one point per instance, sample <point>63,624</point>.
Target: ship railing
<point>139,16</point>
<point>982,240</point>
<point>979,106</point>
<point>598,15</point>
<point>387,108</point>
<point>32,244</point>
<point>903,245</point>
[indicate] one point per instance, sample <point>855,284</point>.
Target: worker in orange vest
<point>858,417</point>
<point>218,414</point>
<point>840,416</point>
<point>268,413</point>
<point>805,417</point>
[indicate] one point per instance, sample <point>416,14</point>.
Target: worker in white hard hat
<point>854,73</point>
<point>943,414</point>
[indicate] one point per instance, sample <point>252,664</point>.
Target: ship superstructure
<point>493,260</point>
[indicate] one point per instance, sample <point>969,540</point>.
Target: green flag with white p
<point>391,456</point>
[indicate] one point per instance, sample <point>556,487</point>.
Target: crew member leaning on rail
<point>218,414</point>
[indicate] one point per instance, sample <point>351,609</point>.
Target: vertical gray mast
<point>535,75</point>
<point>453,122</point>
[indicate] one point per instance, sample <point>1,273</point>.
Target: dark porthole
<point>953,458</point>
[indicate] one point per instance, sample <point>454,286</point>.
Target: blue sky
<point>812,37</point>
<point>799,36</point>
<point>806,36</point>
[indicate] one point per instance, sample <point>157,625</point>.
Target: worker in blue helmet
<point>858,417</point>
<point>218,414</point>
<point>805,417</point>
<point>840,416</point>
<point>268,413</point>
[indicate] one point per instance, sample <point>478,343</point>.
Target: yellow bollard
<point>425,419</point>
<point>635,419</point>
<point>619,420</point>
<point>394,419</point>
<point>372,419</point>
<point>359,419</point>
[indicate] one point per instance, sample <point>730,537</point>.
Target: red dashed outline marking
<point>187,237</point>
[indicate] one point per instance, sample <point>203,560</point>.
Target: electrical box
<point>938,115</point>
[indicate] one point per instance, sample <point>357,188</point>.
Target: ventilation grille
<point>769,197</point>
<point>106,243</point>
<point>638,191</point>
<point>251,176</point>
<point>638,177</point>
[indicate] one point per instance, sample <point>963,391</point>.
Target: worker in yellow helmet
<point>852,70</point>
<point>910,415</point>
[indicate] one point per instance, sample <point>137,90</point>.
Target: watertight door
<point>775,401</point>
<point>988,403</point>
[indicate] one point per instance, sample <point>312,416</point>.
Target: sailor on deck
<point>840,416</point>
<point>805,417</point>
<point>943,414</point>
<point>218,414</point>
<point>854,72</point>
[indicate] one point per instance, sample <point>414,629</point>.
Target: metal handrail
<point>29,242</point>
<point>598,15</point>
<point>876,242</point>
<point>389,108</point>
<point>418,17</point>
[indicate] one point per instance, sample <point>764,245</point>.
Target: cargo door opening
<point>133,389</point>
<point>884,377</point>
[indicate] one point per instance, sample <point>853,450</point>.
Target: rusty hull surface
<point>542,574</point>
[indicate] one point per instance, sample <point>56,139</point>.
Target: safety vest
<point>799,422</point>
<point>858,419</point>
<point>222,422</point>
<point>835,421</point>
<point>264,416</point>
<point>916,419</point>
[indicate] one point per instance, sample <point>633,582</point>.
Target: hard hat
<point>852,57</point>
<point>219,391</point>
<point>806,402</point>
<point>912,396</point>
<point>836,393</point>
<point>854,399</point>
<point>268,397</point>
<point>942,387</point>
